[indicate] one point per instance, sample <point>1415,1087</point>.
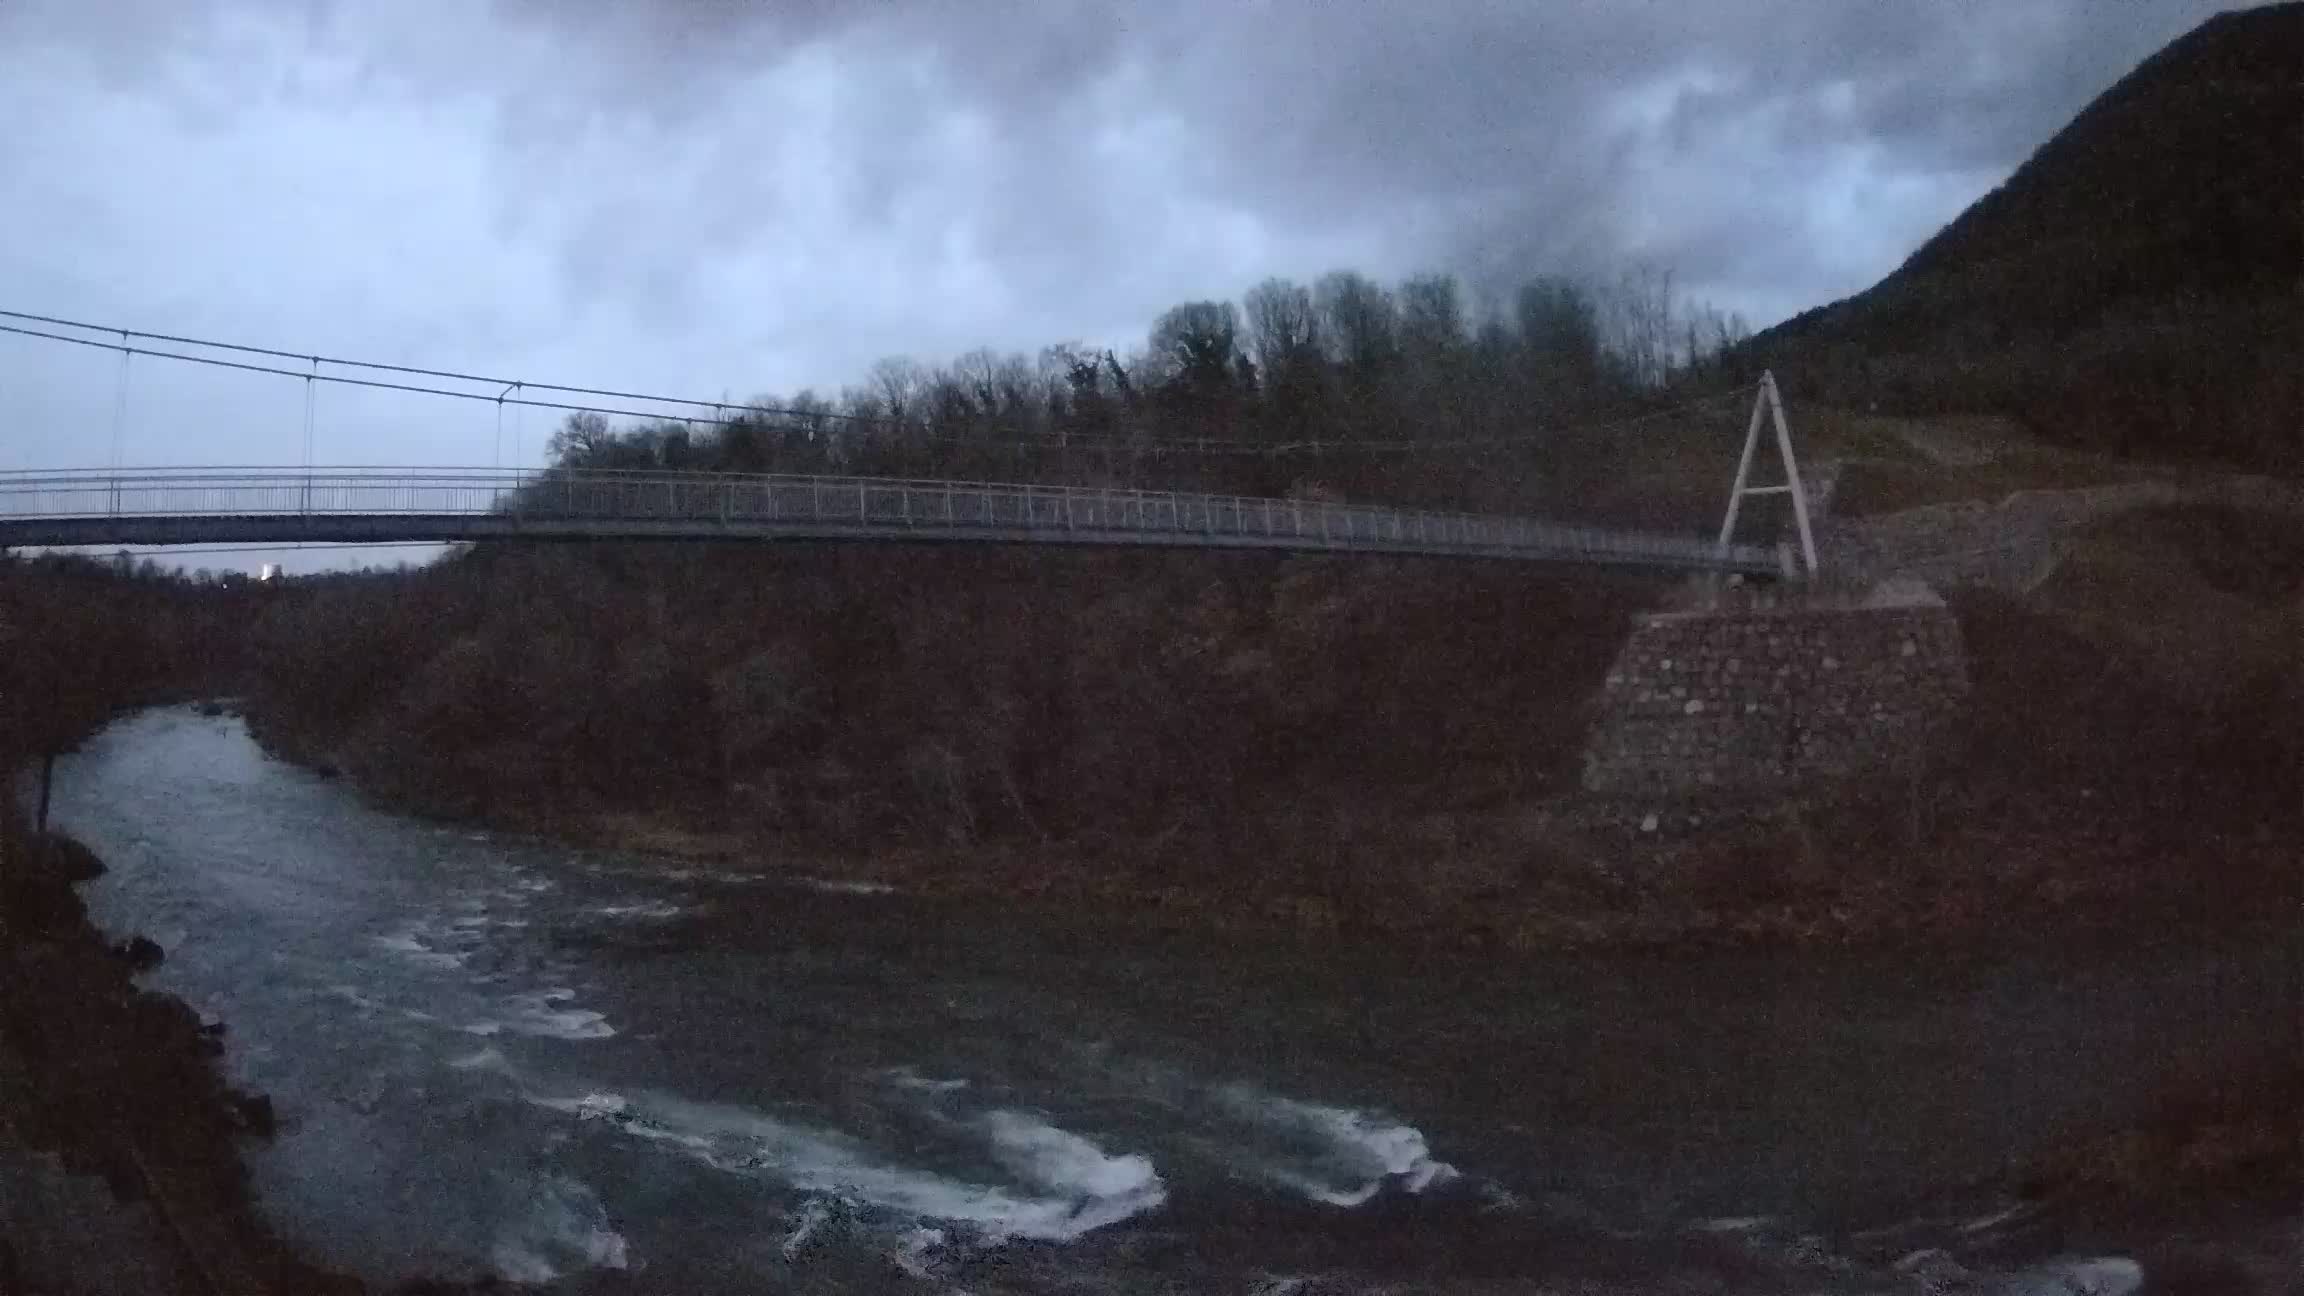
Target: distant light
<point>268,572</point>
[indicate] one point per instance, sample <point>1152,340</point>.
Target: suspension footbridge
<point>188,506</point>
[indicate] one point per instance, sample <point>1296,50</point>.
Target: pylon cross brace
<point>1769,404</point>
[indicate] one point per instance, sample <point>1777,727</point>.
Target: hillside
<point>2137,286</point>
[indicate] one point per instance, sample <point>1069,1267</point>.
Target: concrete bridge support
<point>1763,699</point>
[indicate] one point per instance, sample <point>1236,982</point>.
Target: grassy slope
<point>1677,476</point>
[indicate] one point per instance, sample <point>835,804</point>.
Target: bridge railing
<point>251,492</point>
<point>831,505</point>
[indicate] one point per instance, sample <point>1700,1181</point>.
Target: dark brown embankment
<point>1375,750</point>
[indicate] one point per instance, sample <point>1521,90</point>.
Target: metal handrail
<point>827,504</point>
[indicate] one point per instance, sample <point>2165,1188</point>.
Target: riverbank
<point>122,1084</point>
<point>1387,750</point>
<point>2205,1192</point>
<point>1568,874</point>
<point>731,1067</point>
<point>120,1141</point>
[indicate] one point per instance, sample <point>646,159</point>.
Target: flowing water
<point>496,1055</point>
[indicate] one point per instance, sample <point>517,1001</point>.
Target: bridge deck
<point>205,506</point>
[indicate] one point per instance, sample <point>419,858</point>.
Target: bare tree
<point>1197,344</point>
<point>1705,336</point>
<point>1020,397</point>
<point>1559,324</point>
<point>583,439</point>
<point>1283,328</point>
<point>1431,315</point>
<point>978,374</point>
<point>899,382</point>
<point>1078,391</point>
<point>809,431</point>
<point>1358,320</point>
<point>1637,320</point>
<point>861,408</point>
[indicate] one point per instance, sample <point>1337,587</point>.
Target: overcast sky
<point>730,197</point>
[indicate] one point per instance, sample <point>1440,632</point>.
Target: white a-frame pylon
<point>1769,404</point>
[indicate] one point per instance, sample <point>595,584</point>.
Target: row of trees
<point>1343,378</point>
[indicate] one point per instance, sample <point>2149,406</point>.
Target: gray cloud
<point>726,196</point>
<point>1572,134</point>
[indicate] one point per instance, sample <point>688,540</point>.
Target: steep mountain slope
<point>2137,285</point>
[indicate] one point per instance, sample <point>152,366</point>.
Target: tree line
<point>1340,381</point>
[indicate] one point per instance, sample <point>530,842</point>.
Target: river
<point>499,1055</point>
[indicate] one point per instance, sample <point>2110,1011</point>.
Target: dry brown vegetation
<point>1318,742</point>
<point>868,698</point>
<point>81,639</point>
